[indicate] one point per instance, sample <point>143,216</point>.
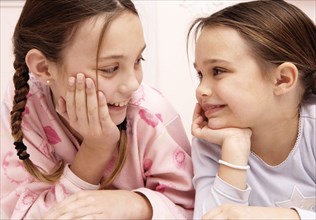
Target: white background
<point>165,25</point>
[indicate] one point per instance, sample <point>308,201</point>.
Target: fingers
<point>70,100</point>
<point>198,116</point>
<point>197,111</point>
<point>104,111</point>
<point>68,205</point>
<point>87,111</point>
<point>80,99</point>
<point>61,108</point>
<point>75,206</point>
<point>198,121</point>
<point>59,209</point>
<point>216,213</point>
<point>81,103</point>
<point>92,103</point>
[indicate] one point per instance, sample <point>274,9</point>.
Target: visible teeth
<point>119,104</point>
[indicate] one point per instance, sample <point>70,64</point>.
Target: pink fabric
<point>158,164</point>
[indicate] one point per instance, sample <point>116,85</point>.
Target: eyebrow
<point>212,61</point>
<point>119,56</point>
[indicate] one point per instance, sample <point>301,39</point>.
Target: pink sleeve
<point>24,197</point>
<point>168,174</point>
<point>21,195</point>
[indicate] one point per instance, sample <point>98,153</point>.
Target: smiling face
<point>119,63</point>
<point>232,91</point>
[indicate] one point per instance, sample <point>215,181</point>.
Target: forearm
<point>230,211</point>
<point>275,213</point>
<point>164,208</point>
<point>235,151</point>
<point>236,178</point>
<point>41,197</point>
<point>89,164</point>
<point>142,209</point>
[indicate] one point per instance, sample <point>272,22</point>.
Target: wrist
<point>102,149</point>
<point>234,166</point>
<point>236,150</point>
<point>141,208</point>
<point>89,164</point>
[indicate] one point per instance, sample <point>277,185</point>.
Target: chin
<point>216,124</point>
<point>118,119</point>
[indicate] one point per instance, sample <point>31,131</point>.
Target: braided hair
<point>48,26</point>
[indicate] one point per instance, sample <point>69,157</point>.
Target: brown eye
<point>199,74</point>
<point>217,71</point>
<point>139,60</point>
<point>109,70</point>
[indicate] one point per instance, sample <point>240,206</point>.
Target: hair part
<point>275,32</point>
<point>49,26</point>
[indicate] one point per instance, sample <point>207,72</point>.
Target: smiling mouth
<point>210,110</point>
<point>118,104</point>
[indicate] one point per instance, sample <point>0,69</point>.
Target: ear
<point>38,65</point>
<point>286,77</point>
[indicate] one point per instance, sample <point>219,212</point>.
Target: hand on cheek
<point>87,112</point>
<point>200,129</point>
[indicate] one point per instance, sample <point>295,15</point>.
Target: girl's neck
<point>274,144</point>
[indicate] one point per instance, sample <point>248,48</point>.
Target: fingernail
<point>89,83</point>
<point>71,81</point>
<point>101,96</point>
<point>80,77</point>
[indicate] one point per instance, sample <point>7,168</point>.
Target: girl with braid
<point>81,135</point>
<point>254,150</point>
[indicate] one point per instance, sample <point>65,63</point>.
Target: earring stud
<point>47,81</point>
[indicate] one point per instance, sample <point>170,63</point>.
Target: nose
<point>130,82</point>
<point>203,89</point>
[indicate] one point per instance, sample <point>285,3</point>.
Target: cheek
<point>139,76</point>
<point>234,97</point>
<point>237,99</point>
<point>202,89</point>
<point>243,104</point>
<point>61,86</point>
<point>197,96</point>
<point>107,89</point>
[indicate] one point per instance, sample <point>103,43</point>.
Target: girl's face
<point>119,62</point>
<point>232,90</point>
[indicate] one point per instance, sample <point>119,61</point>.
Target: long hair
<point>48,26</point>
<point>275,31</point>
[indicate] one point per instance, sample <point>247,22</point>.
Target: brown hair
<point>276,32</point>
<point>48,26</point>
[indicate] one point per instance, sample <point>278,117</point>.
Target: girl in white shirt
<point>255,120</point>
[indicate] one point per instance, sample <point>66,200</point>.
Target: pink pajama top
<point>158,164</point>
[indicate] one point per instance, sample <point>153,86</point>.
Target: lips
<point>210,110</point>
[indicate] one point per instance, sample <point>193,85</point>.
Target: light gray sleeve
<point>211,191</point>
<point>305,214</point>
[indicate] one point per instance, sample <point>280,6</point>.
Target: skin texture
<point>239,105</point>
<point>250,212</point>
<point>92,109</point>
<point>92,205</point>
